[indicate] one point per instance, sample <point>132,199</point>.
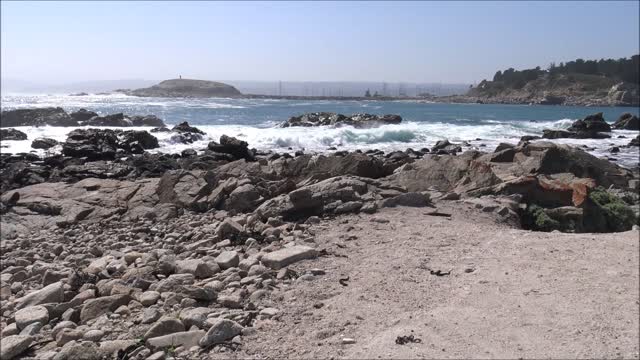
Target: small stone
<point>228,259</point>
<point>150,316</point>
<point>348,341</point>
<point>149,298</point>
<point>30,315</point>
<point>67,335</point>
<point>93,335</point>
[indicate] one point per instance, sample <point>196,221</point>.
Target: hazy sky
<point>359,41</point>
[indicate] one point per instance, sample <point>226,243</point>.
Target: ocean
<point>483,126</point>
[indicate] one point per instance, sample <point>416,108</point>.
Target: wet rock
<point>36,117</point>
<point>356,120</point>
<point>82,115</point>
<point>12,134</point>
<point>627,121</point>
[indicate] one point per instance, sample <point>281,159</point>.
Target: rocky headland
<point>187,88</point>
<point>610,82</point>
<point>109,251</point>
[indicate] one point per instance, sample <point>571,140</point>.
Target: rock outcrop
<point>333,119</point>
<point>12,134</point>
<point>591,127</point>
<point>627,121</point>
<point>36,117</point>
<point>82,117</point>
<point>187,88</point>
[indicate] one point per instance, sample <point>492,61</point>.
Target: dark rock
<point>103,144</point>
<point>627,121</point>
<point>230,145</point>
<point>147,120</point>
<point>445,147</point>
<point>161,129</point>
<point>43,143</point>
<point>136,141</point>
<point>94,144</point>
<point>36,117</point>
<point>116,120</point>
<point>333,119</point>
<point>503,146</point>
<point>12,134</point>
<point>591,123</point>
<point>186,134</point>
<point>635,142</point>
<point>82,115</point>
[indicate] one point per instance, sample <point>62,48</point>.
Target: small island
<point>188,88</point>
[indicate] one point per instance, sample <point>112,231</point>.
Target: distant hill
<point>593,82</point>
<point>186,88</point>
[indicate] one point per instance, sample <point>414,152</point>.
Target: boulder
<point>230,145</point>
<point>102,305</point>
<point>221,331</point>
<point>186,134</point>
<point>31,314</point>
<point>36,117</point>
<point>94,144</point>
<point>635,141</point>
<point>316,199</point>
<point>13,346</point>
<point>12,134</point>
<point>281,258</point>
<point>82,115</point>
<point>53,293</point>
<point>115,120</point>
<point>43,143</point>
<point>136,141</point>
<point>591,127</point>
<point>627,121</point>
<point>445,147</point>
<point>147,120</point>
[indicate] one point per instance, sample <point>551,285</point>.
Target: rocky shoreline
<point>111,251</point>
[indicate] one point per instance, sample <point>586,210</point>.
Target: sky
<point>449,42</point>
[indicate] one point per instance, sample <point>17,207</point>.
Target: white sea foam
<point>414,135</point>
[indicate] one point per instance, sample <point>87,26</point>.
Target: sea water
<point>256,121</point>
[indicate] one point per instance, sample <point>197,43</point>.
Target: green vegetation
<point>537,219</point>
<point>609,212</point>
<point>626,70</point>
